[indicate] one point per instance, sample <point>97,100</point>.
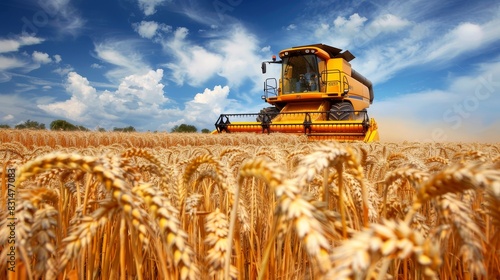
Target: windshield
<point>300,74</point>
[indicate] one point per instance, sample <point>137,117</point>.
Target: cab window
<point>300,74</point>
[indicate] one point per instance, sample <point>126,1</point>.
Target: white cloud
<point>390,23</point>
<point>380,26</point>
<point>13,45</point>
<point>242,58</point>
<point>63,71</point>
<point>147,29</point>
<point>206,107</point>
<point>150,29</point>
<point>341,31</point>
<point>57,58</point>
<point>353,24</point>
<point>40,57</point>
<point>425,44</point>
<point>147,88</point>
<point>7,63</point>
<point>64,16</point>
<point>391,37</point>
<point>5,77</point>
<point>138,97</point>
<point>192,63</point>
<point>124,55</point>
<point>8,117</point>
<point>356,30</point>
<point>235,56</point>
<point>266,49</point>
<point>96,66</point>
<point>463,38</point>
<point>140,101</point>
<point>7,45</point>
<point>149,6</point>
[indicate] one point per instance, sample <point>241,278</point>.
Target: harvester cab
<point>317,94</point>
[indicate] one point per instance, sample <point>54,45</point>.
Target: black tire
<point>341,111</point>
<point>268,111</point>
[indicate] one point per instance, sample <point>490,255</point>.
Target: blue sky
<point>154,64</point>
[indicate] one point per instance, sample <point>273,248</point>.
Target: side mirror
<point>263,68</point>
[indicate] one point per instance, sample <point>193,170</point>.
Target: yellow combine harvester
<point>318,94</point>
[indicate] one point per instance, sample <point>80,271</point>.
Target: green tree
<point>101,129</point>
<point>62,125</point>
<point>205,130</point>
<point>184,128</point>
<point>4,126</point>
<point>29,124</point>
<point>124,129</point>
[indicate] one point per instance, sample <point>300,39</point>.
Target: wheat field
<point>102,205</point>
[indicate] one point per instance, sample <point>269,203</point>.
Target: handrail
<point>271,87</point>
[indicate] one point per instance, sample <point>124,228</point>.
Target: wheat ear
<point>170,227</point>
<point>455,179</point>
<point>217,228</point>
<point>110,176</point>
<point>357,257</point>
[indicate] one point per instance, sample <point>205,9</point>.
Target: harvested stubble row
<point>249,207</point>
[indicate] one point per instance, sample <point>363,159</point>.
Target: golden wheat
<point>191,206</point>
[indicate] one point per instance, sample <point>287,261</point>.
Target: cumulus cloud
<point>146,88</point>
<point>137,95</point>
<point>206,107</point>
<point>76,108</point>
<point>139,100</point>
<point>353,24</point>
<point>57,58</point>
<point>150,29</point>
<point>40,57</point>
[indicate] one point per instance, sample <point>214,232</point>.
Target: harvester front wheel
<point>341,111</point>
<point>267,114</point>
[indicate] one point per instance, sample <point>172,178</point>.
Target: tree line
<point>63,125</point>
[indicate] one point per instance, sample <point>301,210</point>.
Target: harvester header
<point>317,94</point>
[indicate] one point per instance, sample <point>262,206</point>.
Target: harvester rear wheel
<point>267,112</point>
<point>341,111</point>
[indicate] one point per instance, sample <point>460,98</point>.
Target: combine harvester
<point>318,94</point>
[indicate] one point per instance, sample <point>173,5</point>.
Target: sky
<point>154,64</point>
